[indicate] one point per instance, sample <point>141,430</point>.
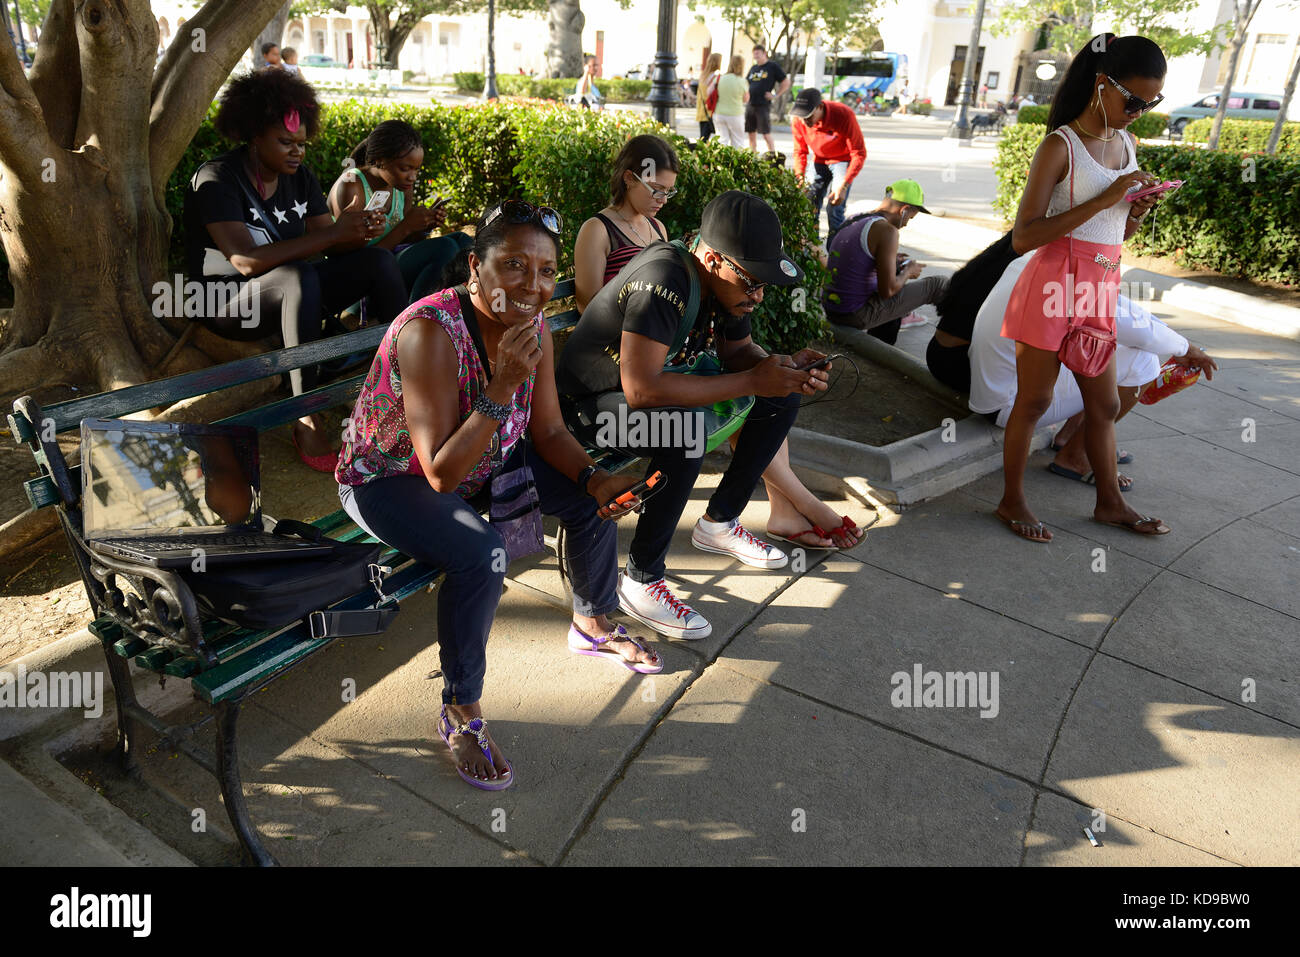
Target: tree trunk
<point>564,52</point>
<point>1276,135</point>
<point>83,173</point>
<point>273,32</point>
<point>1245,12</point>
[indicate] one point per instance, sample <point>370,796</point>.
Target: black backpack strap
<point>256,200</point>
<point>687,321</point>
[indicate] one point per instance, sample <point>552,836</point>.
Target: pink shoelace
<point>660,593</point>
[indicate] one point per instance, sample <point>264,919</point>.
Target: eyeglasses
<point>657,193</point>
<point>1135,104</point>
<point>751,287</point>
<point>516,211</point>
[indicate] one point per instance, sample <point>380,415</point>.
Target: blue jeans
<point>817,190</point>
<point>440,529</point>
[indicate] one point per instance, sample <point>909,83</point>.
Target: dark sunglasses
<point>517,212</point>
<point>751,287</point>
<point>1135,104</point>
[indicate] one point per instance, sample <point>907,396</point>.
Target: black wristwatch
<point>585,476</point>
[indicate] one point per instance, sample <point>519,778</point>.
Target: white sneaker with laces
<point>732,538</point>
<point>656,607</point>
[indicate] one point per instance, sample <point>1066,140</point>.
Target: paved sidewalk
<point>1152,681</point>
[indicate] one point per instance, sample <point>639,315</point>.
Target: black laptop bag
<point>271,594</point>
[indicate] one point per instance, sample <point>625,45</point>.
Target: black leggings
<point>295,298</point>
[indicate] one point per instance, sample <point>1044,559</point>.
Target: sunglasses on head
<point>517,212</point>
<point>1135,104</point>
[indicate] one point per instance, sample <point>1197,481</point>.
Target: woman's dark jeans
<point>440,529</point>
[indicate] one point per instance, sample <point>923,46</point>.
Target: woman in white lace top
<point>1075,215</point>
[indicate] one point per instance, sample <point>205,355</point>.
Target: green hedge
<point>616,89</point>
<point>1236,215</point>
<point>1011,164</point>
<point>1149,125</point>
<point>1245,136</point>
<point>545,153</point>
<point>1036,115</point>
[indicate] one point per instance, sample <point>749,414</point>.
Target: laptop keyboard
<point>205,541</point>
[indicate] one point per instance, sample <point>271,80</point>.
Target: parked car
<point>1242,105</point>
<point>318,60</point>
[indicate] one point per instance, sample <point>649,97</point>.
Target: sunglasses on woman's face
<point>516,211</point>
<point>1135,105</point>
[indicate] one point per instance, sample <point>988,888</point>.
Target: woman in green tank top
<point>390,159</point>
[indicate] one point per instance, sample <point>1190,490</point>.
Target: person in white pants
<point>1142,341</point>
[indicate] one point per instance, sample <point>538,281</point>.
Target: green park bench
<point>161,628</point>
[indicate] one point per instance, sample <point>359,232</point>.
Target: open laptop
<point>166,493</point>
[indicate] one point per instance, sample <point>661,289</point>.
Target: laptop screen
<point>145,478</point>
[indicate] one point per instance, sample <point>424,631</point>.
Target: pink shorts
<point>1057,285</point>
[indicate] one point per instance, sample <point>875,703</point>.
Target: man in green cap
<point>872,286</point>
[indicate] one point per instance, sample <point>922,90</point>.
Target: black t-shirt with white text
<point>763,79</point>
<point>215,196</point>
<point>647,297</point>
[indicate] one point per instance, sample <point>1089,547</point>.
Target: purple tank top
<point>378,442</point>
<point>853,269</point>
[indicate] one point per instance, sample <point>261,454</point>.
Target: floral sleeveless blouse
<point>378,444</point>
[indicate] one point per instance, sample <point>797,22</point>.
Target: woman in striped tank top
<point>644,173</point>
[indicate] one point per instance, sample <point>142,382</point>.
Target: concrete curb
<point>1223,304</point>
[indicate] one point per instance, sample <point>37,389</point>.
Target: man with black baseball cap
<point>639,316</point>
<point>831,131</point>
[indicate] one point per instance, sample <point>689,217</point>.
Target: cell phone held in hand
<point>442,201</point>
<point>1167,186</point>
<point>642,490</point>
<point>821,363</point>
<point>905,262</point>
<point>378,200</point>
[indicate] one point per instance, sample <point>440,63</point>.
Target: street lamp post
<point>663,97</point>
<point>960,128</point>
<point>490,87</point>
<point>18,23</point>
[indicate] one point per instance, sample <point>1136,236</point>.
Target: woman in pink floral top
<point>420,444</point>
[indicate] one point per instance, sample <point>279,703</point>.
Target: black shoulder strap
<point>471,323</point>
<point>687,321</point>
<point>256,200</point>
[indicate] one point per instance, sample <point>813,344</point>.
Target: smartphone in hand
<point>441,202</point>
<point>821,363</point>
<point>1168,186</point>
<point>642,490</point>
<point>378,200</point>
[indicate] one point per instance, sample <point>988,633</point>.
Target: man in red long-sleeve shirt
<point>831,131</point>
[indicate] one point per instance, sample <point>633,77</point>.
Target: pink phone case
<point>1167,186</point>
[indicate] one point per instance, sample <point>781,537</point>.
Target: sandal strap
<point>479,734</point>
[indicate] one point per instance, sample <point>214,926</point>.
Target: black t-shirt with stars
<point>214,196</point>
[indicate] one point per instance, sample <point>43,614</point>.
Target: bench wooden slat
<point>564,289</point>
<point>275,414</point>
<point>112,405</point>
<point>563,320</point>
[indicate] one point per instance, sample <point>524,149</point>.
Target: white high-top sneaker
<point>732,538</point>
<point>656,607</point>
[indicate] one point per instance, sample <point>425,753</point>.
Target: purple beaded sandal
<point>475,729</point>
<point>581,643</point>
